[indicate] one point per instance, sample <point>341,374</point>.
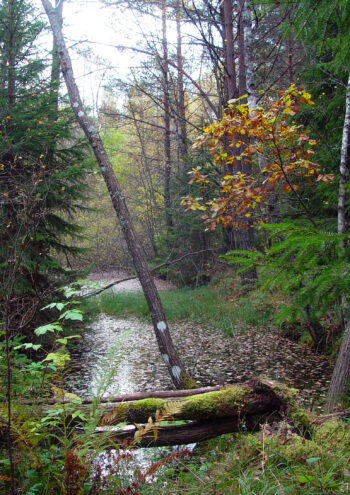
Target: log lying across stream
<point>176,417</point>
<point>202,416</point>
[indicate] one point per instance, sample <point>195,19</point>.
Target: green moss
<point>299,417</point>
<point>302,419</point>
<point>215,404</point>
<point>187,383</point>
<point>296,449</point>
<point>333,434</point>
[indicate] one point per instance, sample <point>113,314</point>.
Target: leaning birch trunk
<point>341,374</point>
<point>178,375</point>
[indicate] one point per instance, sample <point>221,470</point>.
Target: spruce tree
<point>42,161</point>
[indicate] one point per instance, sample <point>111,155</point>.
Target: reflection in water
<point>117,356</point>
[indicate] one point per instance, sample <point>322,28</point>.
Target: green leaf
<point>306,479</point>
<point>72,314</point>
<point>28,345</point>
<point>58,305</point>
<point>58,358</point>
<point>327,477</point>
<point>51,327</point>
<point>69,292</point>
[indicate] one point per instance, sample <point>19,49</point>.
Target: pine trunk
<point>180,84</point>
<point>166,106</point>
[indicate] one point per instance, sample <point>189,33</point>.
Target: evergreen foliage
<point>42,158</point>
<point>324,29</point>
<point>307,266</point>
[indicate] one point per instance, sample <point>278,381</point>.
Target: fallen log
<point>163,435</point>
<point>162,394</point>
<point>251,398</point>
<point>203,415</point>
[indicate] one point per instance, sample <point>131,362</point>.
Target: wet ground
<point>121,355</point>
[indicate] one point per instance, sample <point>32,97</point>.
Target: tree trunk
<point>244,236</point>
<point>11,34</point>
<point>231,92</point>
<point>229,50</point>
<point>253,397</point>
<point>184,434</point>
<point>341,374</point>
<point>210,413</point>
<point>178,375</point>
<point>180,84</point>
<point>55,64</point>
<point>166,105</point>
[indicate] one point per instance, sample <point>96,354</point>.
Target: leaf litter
<point>121,356</point>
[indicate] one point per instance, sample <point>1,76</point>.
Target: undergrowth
<point>275,461</point>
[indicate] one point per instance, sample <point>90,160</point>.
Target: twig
<point>152,270</point>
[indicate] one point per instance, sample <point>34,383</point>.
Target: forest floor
<point>220,338</point>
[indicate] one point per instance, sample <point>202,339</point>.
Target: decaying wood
<point>162,394</point>
<point>206,415</point>
<point>213,412</point>
<point>184,434</point>
<point>236,401</point>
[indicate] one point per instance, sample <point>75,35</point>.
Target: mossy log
<point>256,397</point>
<point>178,434</point>
<point>206,415</point>
<point>231,409</point>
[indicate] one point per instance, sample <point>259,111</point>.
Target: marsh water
<point>117,356</point>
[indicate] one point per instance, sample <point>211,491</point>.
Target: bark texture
<point>341,374</point>
<point>243,400</point>
<point>180,84</point>
<point>166,106</point>
<point>176,370</point>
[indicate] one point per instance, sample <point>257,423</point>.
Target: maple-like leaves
<point>277,152</point>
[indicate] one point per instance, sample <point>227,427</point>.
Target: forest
<point>174,255</point>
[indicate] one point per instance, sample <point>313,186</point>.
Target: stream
<point>117,356</point>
